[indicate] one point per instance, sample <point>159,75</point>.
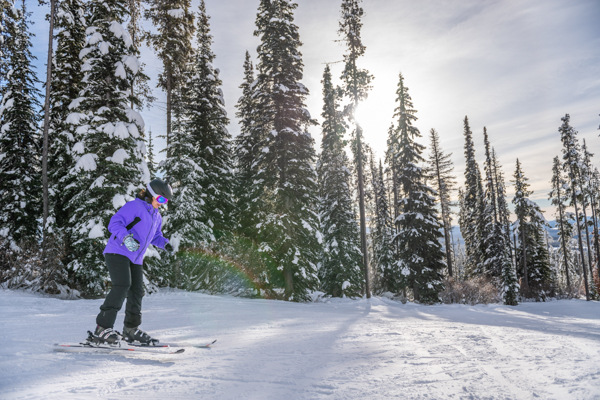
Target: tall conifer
<point>341,266</point>
<point>65,87</point>
<point>532,254</point>
<point>248,144</point>
<point>383,253</point>
<point>172,40</point>
<point>20,140</point>
<point>420,257</point>
<point>444,182</point>
<point>356,85</point>
<point>558,197</point>
<point>571,165</point>
<point>288,233</point>
<point>204,124</point>
<point>109,150</point>
<point>471,207</point>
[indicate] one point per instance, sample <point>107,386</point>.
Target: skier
<point>133,228</point>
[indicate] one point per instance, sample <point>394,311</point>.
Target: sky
<point>515,67</point>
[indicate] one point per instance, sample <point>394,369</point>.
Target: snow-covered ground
<point>376,349</point>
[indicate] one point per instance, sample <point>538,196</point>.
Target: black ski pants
<point>127,282</point>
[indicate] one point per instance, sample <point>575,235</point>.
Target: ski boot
<point>137,335</point>
<point>105,336</point>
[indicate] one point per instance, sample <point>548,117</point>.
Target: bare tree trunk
<point>46,199</point>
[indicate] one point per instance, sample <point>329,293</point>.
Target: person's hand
<point>131,243</point>
<point>169,248</point>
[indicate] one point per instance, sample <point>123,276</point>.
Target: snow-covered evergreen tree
<point>383,253</point>
<point>496,247</point>
<point>288,233</point>
<point>356,85</point>
<point>20,138</point>
<point>508,278</point>
<point>152,165</point>
<point>420,257</point>
<point>172,41</point>
<point>140,88</point>
<point>204,125</point>
<point>571,165</point>
<point>64,89</point>
<point>587,171</point>
<point>249,180</point>
<point>440,172</point>
<point>558,197</point>
<point>340,270</point>
<point>7,26</point>
<point>470,222</point>
<point>501,203</point>
<point>109,150</point>
<point>533,264</point>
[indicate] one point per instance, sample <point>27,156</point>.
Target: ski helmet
<point>159,187</point>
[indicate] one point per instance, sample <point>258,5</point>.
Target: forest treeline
<point>261,214</point>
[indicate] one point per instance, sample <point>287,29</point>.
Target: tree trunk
<point>46,199</point>
<point>587,239</point>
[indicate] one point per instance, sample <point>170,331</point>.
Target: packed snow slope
<point>345,349</point>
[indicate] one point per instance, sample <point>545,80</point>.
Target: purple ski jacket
<point>144,221</point>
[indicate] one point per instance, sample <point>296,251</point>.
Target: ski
<point>206,346</point>
<point>159,345</point>
<point>86,347</point>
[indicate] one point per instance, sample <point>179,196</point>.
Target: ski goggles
<point>159,198</point>
<point>162,200</point>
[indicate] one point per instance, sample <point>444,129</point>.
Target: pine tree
<point>383,253</point>
<point>288,233</point>
<point>356,85</point>
<point>502,246</point>
<point>341,271</point>
<point>444,182</point>
<point>152,166</point>
<point>172,41</point>
<point>501,203</point>
<point>587,199</point>
<point>531,251</point>
<point>557,198</point>
<point>248,156</point>
<point>20,163</point>
<point>204,122</point>
<point>64,90</point>
<point>420,257</point>
<point>471,220</point>
<point>140,88</point>
<point>571,165</point>
<point>109,151</point>
<point>493,239</point>
<point>8,17</point>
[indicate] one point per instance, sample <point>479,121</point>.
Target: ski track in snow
<point>345,349</point>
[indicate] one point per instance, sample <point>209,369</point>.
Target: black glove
<point>169,249</point>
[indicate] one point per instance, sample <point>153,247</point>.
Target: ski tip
<point>207,346</point>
